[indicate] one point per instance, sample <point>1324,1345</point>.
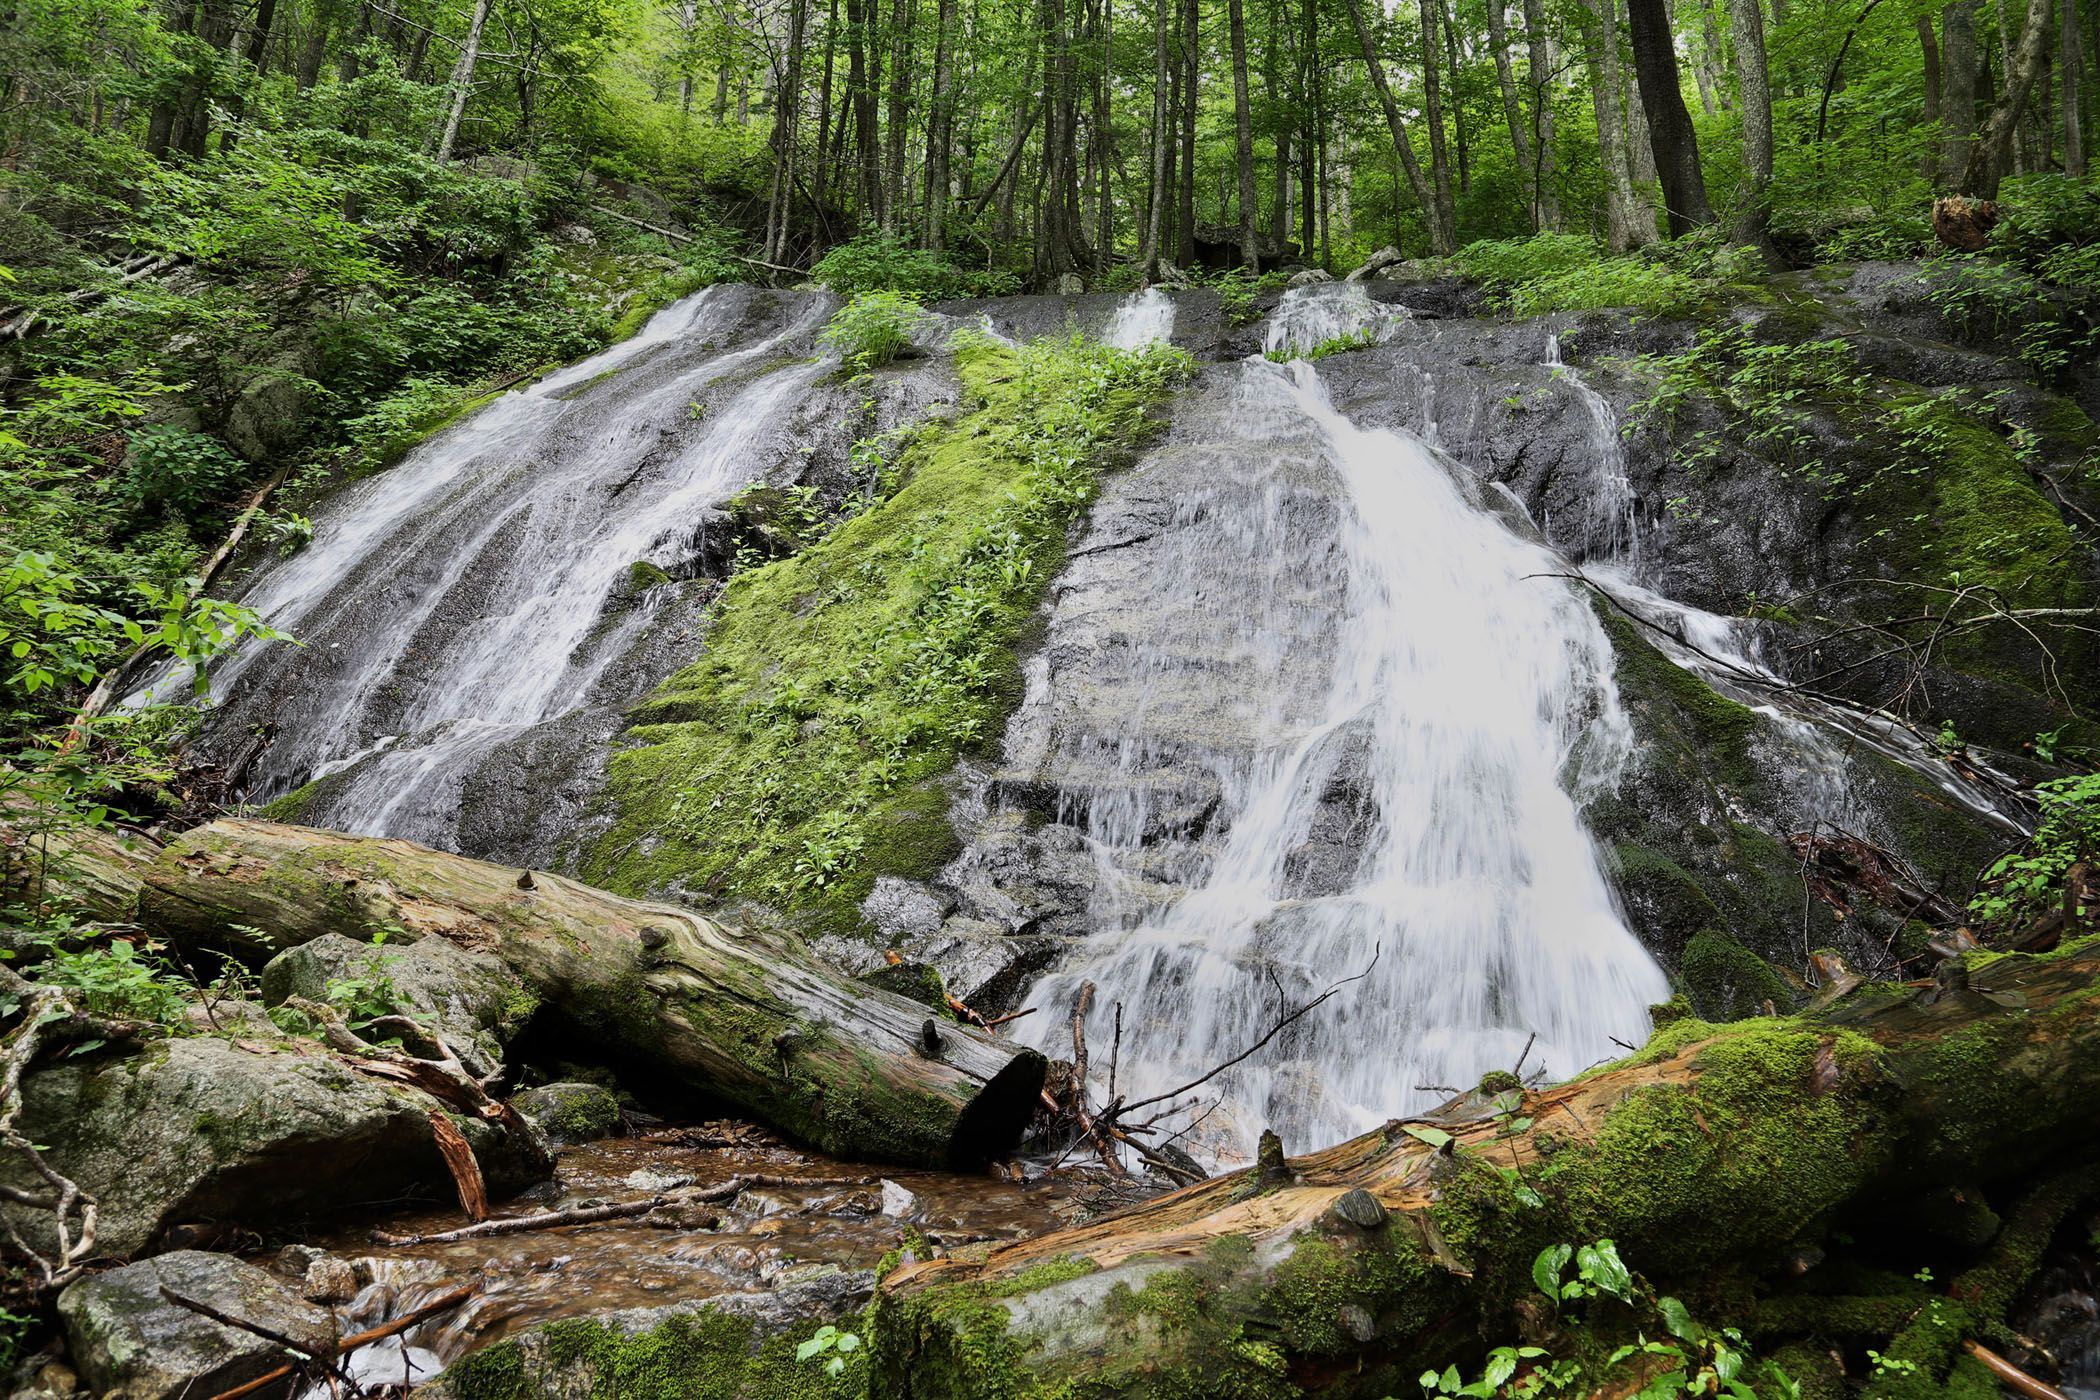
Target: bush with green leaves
<point>880,262</point>
<point>873,329</point>
<point>2029,882</point>
<point>174,469</point>
<point>122,978</point>
<point>1628,283</point>
<point>1505,262</point>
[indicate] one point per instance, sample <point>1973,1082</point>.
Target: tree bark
<point>1670,133</point>
<point>1733,1152</point>
<point>734,1015</point>
<point>2071,60</point>
<point>1433,116</point>
<point>1960,61</point>
<point>1162,139</point>
<point>1993,150</point>
<point>1929,53</point>
<point>1626,223</point>
<point>1753,81</point>
<point>940,136</point>
<point>463,80</point>
<point>1243,135</point>
<point>1435,211</point>
<point>893,204</point>
<point>1185,196</point>
<point>1512,108</point>
<point>1545,173</point>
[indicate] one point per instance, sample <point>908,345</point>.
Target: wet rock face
<point>200,1130</point>
<point>125,1335</point>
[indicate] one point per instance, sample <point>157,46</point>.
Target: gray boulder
<point>125,1335</point>
<point>570,1113</point>
<point>203,1129</point>
<point>1378,262</point>
<point>469,998</point>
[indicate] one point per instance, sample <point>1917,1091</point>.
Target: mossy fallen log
<point>741,1016</point>
<point>1720,1158</point>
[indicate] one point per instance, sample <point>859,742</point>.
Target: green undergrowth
<point>801,756</point>
<point>1569,272</point>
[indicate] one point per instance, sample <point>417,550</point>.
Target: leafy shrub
<point>873,329</point>
<point>1508,261</point>
<point>402,419</point>
<point>879,262</point>
<point>2027,882</point>
<point>1624,283</point>
<point>1981,297</point>
<point>2042,215</point>
<point>173,469</point>
<point>1885,236</point>
<point>116,979</point>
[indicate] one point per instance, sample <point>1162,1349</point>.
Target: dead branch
<point>452,1145</point>
<point>618,1210</point>
<point>444,1302</point>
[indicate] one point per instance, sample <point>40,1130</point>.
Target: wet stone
<point>1360,1208</point>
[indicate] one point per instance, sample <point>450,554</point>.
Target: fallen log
<point>1726,1162</point>
<point>738,1015</point>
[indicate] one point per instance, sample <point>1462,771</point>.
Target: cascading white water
<point>1614,532</point>
<point>1466,692</point>
<point>1143,318</point>
<point>481,586</point>
<point>1309,317</point>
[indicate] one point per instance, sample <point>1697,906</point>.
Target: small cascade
<point>1614,531</point>
<point>1418,667</point>
<point>1144,317</point>
<point>1309,317</point>
<point>450,606</point>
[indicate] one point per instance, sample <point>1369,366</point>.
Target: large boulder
<point>202,1129</point>
<point>570,1112</point>
<point>126,1335</point>
<point>469,998</point>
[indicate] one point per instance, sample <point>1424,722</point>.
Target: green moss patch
<point>800,757</point>
<point>703,1355</point>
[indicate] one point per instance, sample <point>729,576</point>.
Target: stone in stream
<point>204,1129</point>
<point>570,1113</point>
<point>125,1335</point>
<point>469,998</point>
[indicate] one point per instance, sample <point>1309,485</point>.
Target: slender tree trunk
<point>1993,152</point>
<point>1103,135</point>
<point>820,181</point>
<point>787,104</point>
<point>1753,82</point>
<point>860,95</point>
<point>1435,210</point>
<point>1433,116</point>
<point>1626,224</point>
<point>2072,62</point>
<point>940,137</point>
<point>463,80</point>
<point>1162,140</point>
<point>893,204</point>
<point>1545,170</point>
<point>1512,108</point>
<point>1185,213</point>
<point>1310,137</point>
<point>1461,141</point>
<point>1243,135</point>
<point>1929,52</point>
<point>1713,56</point>
<point>1670,132</point>
<point>1959,74</point>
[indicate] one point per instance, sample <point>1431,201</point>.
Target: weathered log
<point>1717,1152</point>
<point>740,1015</point>
<point>89,870</point>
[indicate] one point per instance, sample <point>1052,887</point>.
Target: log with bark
<point>739,1015</point>
<point>1723,1160</point>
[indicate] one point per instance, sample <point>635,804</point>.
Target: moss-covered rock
<point>570,1112</point>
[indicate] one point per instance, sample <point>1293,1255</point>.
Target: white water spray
<point>1467,692</point>
<point>1143,318</point>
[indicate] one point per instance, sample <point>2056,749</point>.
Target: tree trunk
<point>1512,108</point>
<point>1185,210</point>
<point>1929,52</point>
<point>1462,141</point>
<point>2071,59</point>
<point>1312,133</point>
<point>1545,173</point>
<point>1736,1152</point>
<point>734,1015</point>
<point>1626,222</point>
<point>940,136</point>
<point>1958,103</point>
<point>1162,139</point>
<point>860,19</point>
<point>463,80</point>
<point>1433,117</point>
<point>1670,132</point>
<point>1993,151</point>
<point>1753,80</point>
<point>1243,135</point>
<point>787,104</point>
<point>901,15</point>
<point>1435,211</point>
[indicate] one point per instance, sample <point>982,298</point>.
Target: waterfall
<point>1419,662</point>
<point>1308,317</point>
<point>1614,533</point>
<point>1142,318</point>
<point>483,586</point>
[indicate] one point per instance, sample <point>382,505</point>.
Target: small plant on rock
<point>873,329</point>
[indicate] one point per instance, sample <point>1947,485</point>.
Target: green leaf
<point>1678,1319</point>
<point>1546,1269</point>
<point>1435,1137</point>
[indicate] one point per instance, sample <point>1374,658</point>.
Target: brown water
<point>829,1213</point>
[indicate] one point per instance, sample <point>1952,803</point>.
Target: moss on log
<point>1715,1152</point>
<point>741,1016</point>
